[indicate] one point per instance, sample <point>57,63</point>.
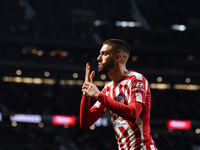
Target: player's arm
<point>88,116</point>
<point>129,112</point>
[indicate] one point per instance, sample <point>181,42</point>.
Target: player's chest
<point>119,93</point>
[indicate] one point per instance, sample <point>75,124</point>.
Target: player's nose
<point>99,58</point>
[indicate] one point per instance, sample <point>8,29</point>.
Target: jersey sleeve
<point>88,116</point>
<point>139,87</point>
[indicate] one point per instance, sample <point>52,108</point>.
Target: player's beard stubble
<point>107,67</point>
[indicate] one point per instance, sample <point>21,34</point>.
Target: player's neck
<point>117,73</point>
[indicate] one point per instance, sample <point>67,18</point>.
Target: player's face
<point>106,59</point>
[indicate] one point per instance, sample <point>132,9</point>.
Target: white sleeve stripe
<point>138,97</point>
<point>146,85</point>
<point>97,104</point>
<point>152,147</point>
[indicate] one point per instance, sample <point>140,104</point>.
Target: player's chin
<point>100,69</point>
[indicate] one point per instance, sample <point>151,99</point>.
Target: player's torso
<point>129,134</point>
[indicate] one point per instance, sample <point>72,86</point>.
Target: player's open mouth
<point>100,65</point>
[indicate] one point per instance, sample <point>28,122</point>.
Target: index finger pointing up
<point>87,73</point>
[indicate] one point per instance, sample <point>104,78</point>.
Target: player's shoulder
<point>134,75</point>
<point>108,84</point>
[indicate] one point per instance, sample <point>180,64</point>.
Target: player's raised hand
<point>88,77</point>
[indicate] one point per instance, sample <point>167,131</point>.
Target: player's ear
<point>119,57</point>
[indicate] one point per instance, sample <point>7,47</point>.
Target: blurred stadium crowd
<point>68,34</point>
<point>95,21</point>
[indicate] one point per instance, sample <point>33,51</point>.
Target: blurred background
<point>45,44</point>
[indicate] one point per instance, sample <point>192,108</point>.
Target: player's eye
<point>104,53</point>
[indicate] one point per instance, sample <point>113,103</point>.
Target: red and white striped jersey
<point>129,103</point>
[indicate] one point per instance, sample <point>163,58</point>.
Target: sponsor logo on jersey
<point>138,86</point>
<point>118,123</point>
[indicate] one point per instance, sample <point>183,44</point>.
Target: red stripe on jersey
<point>137,133</point>
<point>114,91</point>
<point>125,134</point>
<point>127,88</point>
<point>119,140</point>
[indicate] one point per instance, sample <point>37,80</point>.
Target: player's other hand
<point>91,89</point>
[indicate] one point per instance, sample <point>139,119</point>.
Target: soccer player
<point>127,97</point>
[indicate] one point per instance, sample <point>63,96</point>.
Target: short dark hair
<point>120,46</point>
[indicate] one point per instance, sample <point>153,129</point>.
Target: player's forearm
<point>130,112</point>
<point>85,115</point>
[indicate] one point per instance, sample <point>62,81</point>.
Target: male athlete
<point>127,97</point>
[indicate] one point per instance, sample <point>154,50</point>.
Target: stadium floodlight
<point>178,27</point>
<point>126,24</point>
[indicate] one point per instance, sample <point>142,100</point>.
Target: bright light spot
<point>100,22</point>
<point>160,86</point>
<point>18,79</point>
<point>134,58</point>
<point>40,53</point>
<point>127,24</point>
<point>27,80</point>
<point>53,53</point>
<point>99,83</point>
<point>187,80</point>
<point>75,75</point>
<point>46,74</point>
<point>103,76</point>
<point>92,127</point>
<point>64,54</point>
<point>131,24</point>
<point>79,82</point>
<point>14,124</point>
<point>124,24</point>
<point>8,79</point>
<point>62,82</point>
<point>118,23</point>
<point>41,125</point>
<point>186,87</point>
<point>197,131</point>
<point>34,51</point>
<point>37,81</point>
<point>18,72</point>
<point>24,50</point>
<point>97,23</point>
<point>178,27</point>
<point>159,79</point>
<point>49,81</point>
<point>66,126</point>
<point>182,28</point>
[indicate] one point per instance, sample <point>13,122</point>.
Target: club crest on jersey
<point>120,96</point>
